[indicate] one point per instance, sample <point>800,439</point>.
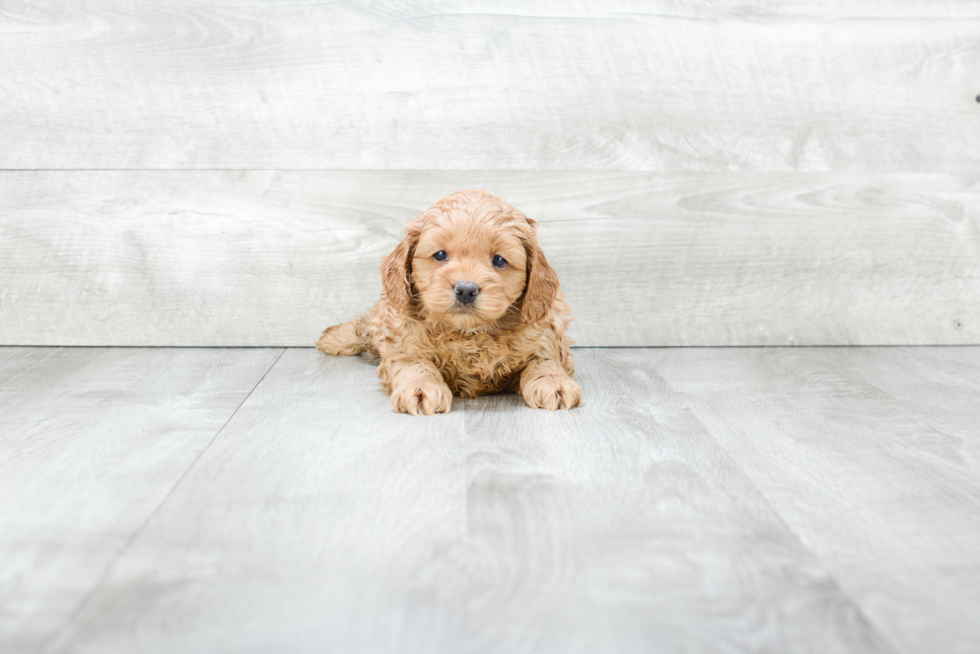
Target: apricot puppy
<point>469,307</point>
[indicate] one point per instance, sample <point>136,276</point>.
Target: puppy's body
<point>471,363</point>
<point>470,307</point>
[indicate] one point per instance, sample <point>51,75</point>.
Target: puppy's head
<point>470,259</point>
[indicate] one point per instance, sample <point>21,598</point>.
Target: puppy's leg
<point>417,387</point>
<point>341,340</point>
<point>546,385</point>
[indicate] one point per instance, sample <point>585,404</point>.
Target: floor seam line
<point>681,399</point>
<point>139,530</point>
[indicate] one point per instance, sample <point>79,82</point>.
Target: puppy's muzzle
<point>466,292</point>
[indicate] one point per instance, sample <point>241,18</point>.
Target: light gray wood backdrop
<point>713,174</point>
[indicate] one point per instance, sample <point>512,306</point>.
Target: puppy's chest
<point>477,363</point>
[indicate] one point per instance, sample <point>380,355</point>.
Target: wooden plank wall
<point>720,173</point>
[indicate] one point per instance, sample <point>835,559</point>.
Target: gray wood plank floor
<point>92,441</point>
<point>703,500</point>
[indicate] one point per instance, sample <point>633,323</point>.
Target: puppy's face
<point>467,261</point>
<point>469,270</point>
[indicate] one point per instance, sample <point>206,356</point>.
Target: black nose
<point>466,292</point>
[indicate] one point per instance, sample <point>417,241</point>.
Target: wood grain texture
<point>319,520</point>
<point>273,257</point>
<point>91,443</point>
<point>623,85</point>
<point>940,385</point>
<point>624,527</point>
<point>882,486</point>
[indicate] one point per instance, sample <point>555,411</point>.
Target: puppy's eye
<point>498,261</point>
<point>440,255</point>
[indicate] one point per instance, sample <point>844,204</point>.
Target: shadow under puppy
<point>470,307</point>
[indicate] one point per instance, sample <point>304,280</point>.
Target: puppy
<point>469,307</point>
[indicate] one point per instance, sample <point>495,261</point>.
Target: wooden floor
<point>703,500</point>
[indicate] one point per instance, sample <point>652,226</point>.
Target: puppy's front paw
<point>552,392</point>
<point>422,397</point>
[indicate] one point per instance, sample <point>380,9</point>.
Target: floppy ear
<point>542,280</point>
<point>396,269</point>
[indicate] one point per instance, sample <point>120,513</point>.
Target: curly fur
<point>511,338</point>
